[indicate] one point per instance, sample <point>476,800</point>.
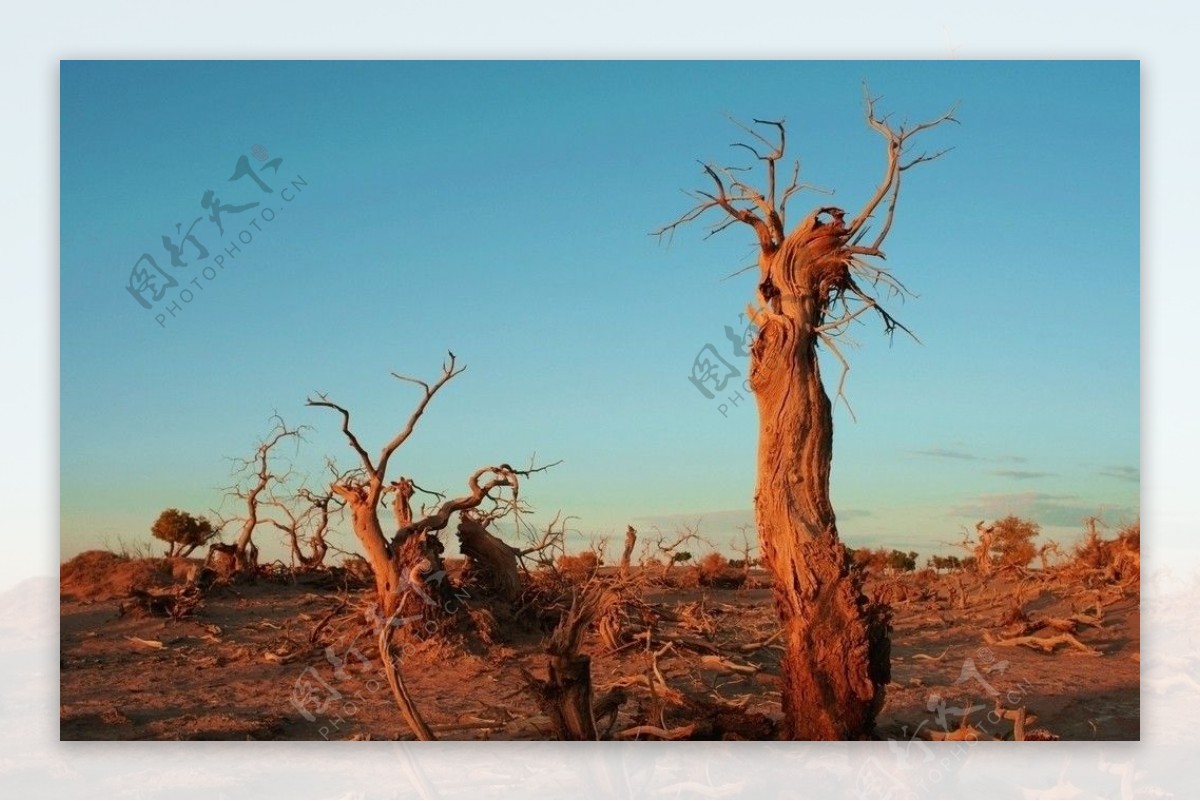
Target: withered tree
<point>257,474</point>
<point>408,569</point>
<point>306,518</point>
<point>814,281</point>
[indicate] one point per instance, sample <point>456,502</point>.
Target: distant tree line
<point>883,560</point>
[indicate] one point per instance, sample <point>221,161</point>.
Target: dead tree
<point>1048,549</point>
<point>814,281</point>
<point>408,565</point>
<point>747,547</point>
<point>566,695</point>
<point>490,560</point>
<point>260,475</point>
<point>545,546</point>
<point>222,559</point>
<point>983,551</point>
<point>311,520</point>
<point>670,549</point>
<point>627,553</point>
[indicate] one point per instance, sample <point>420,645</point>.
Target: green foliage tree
<point>950,563</point>
<point>901,562</point>
<point>1012,541</point>
<point>182,531</point>
<point>883,560</point>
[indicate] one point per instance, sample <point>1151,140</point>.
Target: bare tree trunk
<point>983,552</point>
<point>627,554</point>
<point>245,563</point>
<point>221,559</point>
<point>813,284</point>
<point>319,549</point>
<point>566,695</point>
<point>490,558</point>
<point>258,470</point>
<point>837,660</point>
<point>365,521</point>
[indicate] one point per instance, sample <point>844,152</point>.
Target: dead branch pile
<point>173,602</point>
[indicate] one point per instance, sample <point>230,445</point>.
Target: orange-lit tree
<point>814,280</point>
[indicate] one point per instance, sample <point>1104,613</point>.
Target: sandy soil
<point>246,664</point>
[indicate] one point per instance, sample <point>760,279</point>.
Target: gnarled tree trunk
<point>410,579</point>
<point>489,559</point>
<point>983,551</point>
<point>627,553</point>
<point>837,660</point>
<point>836,664</point>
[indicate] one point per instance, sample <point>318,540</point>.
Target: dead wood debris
<point>173,602</point>
<point>1043,644</point>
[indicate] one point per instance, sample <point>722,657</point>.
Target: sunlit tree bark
<point>815,280</point>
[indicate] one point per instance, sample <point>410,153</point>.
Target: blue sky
<point>503,210</point>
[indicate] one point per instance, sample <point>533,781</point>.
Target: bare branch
<point>550,540</point>
<point>501,476</point>
<point>449,371</point>
<point>261,476</point>
<point>765,226</point>
<point>895,140</point>
<point>323,400</point>
<point>833,348</point>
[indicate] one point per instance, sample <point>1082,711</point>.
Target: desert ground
<point>284,655</point>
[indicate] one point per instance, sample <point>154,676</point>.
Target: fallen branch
<point>724,665</point>
<point>686,642</point>
<point>1044,644</point>
<point>751,647</point>
<point>412,715</point>
<point>643,680</point>
<point>173,602</point>
<point>637,732</point>
<point>312,638</point>
<point>964,732</point>
<point>967,733</point>
<point>929,658</point>
<point>146,643</point>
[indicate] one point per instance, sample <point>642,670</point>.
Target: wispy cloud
<point>966,456</point>
<point>1122,472</point>
<point>1041,507</point>
<point>946,453</point>
<point>1021,475</point>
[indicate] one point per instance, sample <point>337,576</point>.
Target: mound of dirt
<point>104,576</point>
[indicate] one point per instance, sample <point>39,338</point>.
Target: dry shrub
<point>653,563</point>
<point>687,578</point>
<point>712,566</point>
<point>1118,559</point>
<point>926,576</point>
<point>578,568</point>
<point>714,570</point>
<point>1127,554</point>
<point>1131,536</point>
